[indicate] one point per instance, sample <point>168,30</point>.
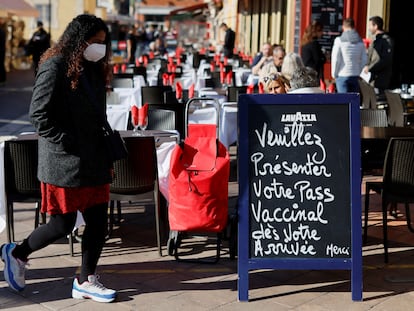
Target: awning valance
<point>17,7</point>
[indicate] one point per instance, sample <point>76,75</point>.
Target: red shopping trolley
<point>198,184</point>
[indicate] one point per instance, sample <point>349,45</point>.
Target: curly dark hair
<point>72,44</point>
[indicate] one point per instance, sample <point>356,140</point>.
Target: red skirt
<point>62,200</point>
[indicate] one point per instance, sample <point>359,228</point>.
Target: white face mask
<point>94,52</point>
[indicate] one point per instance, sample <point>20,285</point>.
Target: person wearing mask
<point>380,53</point>
<point>38,44</point>
<point>304,80</point>
<point>74,167</point>
<point>229,40</point>
<point>276,83</point>
<point>263,57</point>
<point>348,58</point>
<point>312,54</point>
<point>274,66</point>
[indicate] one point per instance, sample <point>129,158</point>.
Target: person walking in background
<point>38,44</point>
<point>131,44</point>
<point>3,39</point>
<point>348,58</point>
<point>74,168</point>
<point>312,54</point>
<point>141,39</point>
<point>380,53</point>
<point>229,40</point>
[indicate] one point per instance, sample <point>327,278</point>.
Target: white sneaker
<point>14,268</point>
<point>92,289</point>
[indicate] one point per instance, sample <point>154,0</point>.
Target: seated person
<point>291,62</point>
<point>274,66</point>
<point>305,80</point>
<point>276,83</point>
<point>262,58</point>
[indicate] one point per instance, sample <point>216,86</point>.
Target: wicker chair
<point>166,117</point>
<point>398,114</point>
<point>134,176</point>
<point>397,185</point>
<point>369,99</point>
<point>233,92</point>
<point>122,83</point>
<point>21,183</point>
<point>154,94</point>
<point>374,117</point>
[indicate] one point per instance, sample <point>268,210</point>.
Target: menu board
<point>330,14</point>
<point>299,179</point>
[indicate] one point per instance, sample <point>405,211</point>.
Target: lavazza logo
<point>298,117</point>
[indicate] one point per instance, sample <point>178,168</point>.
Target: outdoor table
<point>165,143</point>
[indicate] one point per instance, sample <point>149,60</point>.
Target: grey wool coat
<point>71,146</point>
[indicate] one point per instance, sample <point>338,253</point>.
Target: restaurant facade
<point>254,21</point>
<point>283,22</point>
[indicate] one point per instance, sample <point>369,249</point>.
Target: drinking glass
<point>143,124</point>
<point>136,126</point>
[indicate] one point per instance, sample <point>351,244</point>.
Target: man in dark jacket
<point>379,55</point>
<point>38,44</point>
<point>229,39</point>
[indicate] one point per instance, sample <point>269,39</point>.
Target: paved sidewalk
<point>144,281</point>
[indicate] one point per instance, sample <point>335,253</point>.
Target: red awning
<point>188,9</point>
<point>17,7</point>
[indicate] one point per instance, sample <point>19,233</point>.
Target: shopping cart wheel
<point>172,243</point>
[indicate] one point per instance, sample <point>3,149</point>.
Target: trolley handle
<point>209,101</point>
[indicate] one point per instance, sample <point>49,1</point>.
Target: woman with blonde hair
<point>276,83</point>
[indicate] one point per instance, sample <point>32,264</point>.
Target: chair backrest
<point>166,117</point>
<point>122,83</point>
<point>398,176</point>
<point>374,117</point>
<point>153,95</point>
<point>170,97</point>
<point>197,57</point>
<point>234,91</point>
<point>141,71</point>
<point>124,75</point>
<point>138,172</point>
<point>20,168</point>
<point>368,96</point>
<point>395,108</point>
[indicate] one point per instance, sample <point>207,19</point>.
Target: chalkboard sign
<point>299,196</point>
<point>330,14</point>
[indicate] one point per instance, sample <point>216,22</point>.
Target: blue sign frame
<point>253,109</point>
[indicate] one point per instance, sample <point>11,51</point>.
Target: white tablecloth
<point>164,151</point>
<point>117,109</point>
<point>208,92</point>
<point>227,122</point>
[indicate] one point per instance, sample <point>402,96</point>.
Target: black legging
<point>93,238</point>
